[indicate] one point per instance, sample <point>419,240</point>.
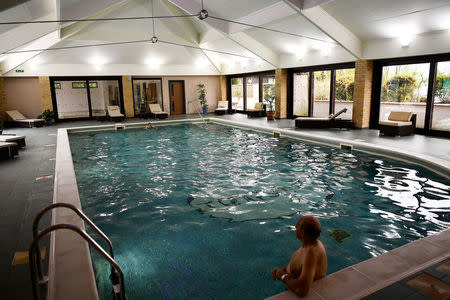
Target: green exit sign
<point>19,71</point>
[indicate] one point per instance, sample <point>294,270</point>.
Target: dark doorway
<point>176,95</point>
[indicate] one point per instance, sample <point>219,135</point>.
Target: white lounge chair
<point>115,114</point>
<point>156,112</point>
<point>258,111</point>
<point>12,138</point>
<point>17,119</point>
<point>222,107</point>
<point>8,150</point>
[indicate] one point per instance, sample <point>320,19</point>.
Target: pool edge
<point>62,268</point>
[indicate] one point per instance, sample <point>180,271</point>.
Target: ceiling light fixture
<point>153,39</point>
<point>203,14</point>
<point>405,40</point>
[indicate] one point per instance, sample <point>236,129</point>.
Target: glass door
<point>71,99</point>
<point>237,93</point>
<point>321,95</point>
<point>252,86</point>
<point>301,94</point>
<point>441,101</point>
<point>103,93</point>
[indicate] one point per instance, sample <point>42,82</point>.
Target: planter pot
<point>270,115</point>
<point>205,110</point>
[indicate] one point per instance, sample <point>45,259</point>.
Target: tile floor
<point>22,195</point>
<point>432,283</point>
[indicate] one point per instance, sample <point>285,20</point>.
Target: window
<point>345,82</point>
<point>322,90</point>
<point>237,93</point>
<point>268,88</point>
<point>78,85</point>
<point>252,96</point>
<point>145,92</point>
<point>321,98</point>
<point>103,93</point>
<point>441,103</point>
<point>404,88</point>
<point>93,85</point>
<point>57,85</point>
<point>301,94</point>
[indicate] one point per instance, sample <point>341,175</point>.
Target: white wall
<point>212,87</point>
<point>430,43</point>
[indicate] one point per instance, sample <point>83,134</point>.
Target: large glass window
<point>237,93</point>
<point>268,88</point>
<point>345,82</point>
<point>404,88</point>
<point>145,92</point>
<point>301,94</point>
<point>441,104</point>
<point>252,89</point>
<point>72,100</point>
<point>321,97</point>
<point>103,94</point>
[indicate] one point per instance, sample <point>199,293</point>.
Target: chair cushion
<point>395,123</point>
<point>259,106</point>
<point>403,116</point>
<point>222,104</point>
<point>15,115</point>
<point>154,108</point>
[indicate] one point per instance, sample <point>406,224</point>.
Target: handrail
<point>197,109</point>
<point>82,216</point>
<point>33,247</point>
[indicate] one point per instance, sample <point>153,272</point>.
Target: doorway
<point>177,98</point>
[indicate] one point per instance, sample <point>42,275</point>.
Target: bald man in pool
<point>308,263</point>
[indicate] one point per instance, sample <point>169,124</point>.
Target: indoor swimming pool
<point>206,212</point>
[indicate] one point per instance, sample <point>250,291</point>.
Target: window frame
<point>433,60</point>
<point>311,69</point>
<point>244,77</point>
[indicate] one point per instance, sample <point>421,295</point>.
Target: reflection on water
<point>208,203</point>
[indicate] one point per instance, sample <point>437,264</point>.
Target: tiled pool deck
<point>25,196</point>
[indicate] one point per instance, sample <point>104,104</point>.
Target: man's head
<point>308,229</point>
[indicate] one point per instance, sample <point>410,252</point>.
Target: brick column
<point>3,104</point>
<point>128,96</point>
<point>223,87</point>
<point>46,94</point>
<point>362,94</point>
<point>280,93</point>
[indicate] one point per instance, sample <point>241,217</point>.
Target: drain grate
<point>347,147</point>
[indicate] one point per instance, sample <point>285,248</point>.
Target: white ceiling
<point>245,48</point>
<point>370,19</point>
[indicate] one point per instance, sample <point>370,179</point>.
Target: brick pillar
<point>223,87</point>
<point>362,93</point>
<point>3,104</point>
<point>46,94</point>
<point>128,96</point>
<point>280,93</point>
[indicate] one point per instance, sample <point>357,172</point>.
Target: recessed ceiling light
<point>405,39</point>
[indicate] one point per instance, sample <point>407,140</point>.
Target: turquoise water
<point>206,213</point>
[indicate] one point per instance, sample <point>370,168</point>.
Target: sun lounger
<point>12,138</point>
<point>115,114</point>
<point>398,123</point>
<point>258,111</point>
<point>156,112</point>
<point>331,122</point>
<point>222,107</point>
<point>8,150</point>
<point>17,119</point>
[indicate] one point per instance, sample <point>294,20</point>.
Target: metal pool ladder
<point>37,278</point>
<point>198,111</point>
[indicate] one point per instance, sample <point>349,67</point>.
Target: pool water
<point>199,212</point>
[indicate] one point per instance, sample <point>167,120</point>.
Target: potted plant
<point>48,116</point>
<point>202,97</point>
<point>269,99</point>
